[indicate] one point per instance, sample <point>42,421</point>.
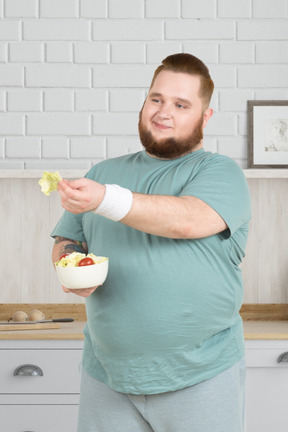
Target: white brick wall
<point>74,73</point>
<point>23,9</point>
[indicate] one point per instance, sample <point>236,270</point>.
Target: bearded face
<point>170,147</point>
<point>173,116</point>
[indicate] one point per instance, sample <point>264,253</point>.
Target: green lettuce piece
<point>49,182</point>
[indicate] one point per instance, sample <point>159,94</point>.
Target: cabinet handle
<point>283,358</point>
<point>28,370</point>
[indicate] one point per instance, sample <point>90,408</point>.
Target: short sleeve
<point>221,184</point>
<point>69,226</point>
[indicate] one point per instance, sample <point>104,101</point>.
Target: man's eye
<point>180,106</point>
<point>156,100</point>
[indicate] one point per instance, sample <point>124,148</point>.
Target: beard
<point>170,148</point>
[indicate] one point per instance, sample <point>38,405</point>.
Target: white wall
<point>73,73</point>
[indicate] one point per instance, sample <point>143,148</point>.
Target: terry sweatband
<point>116,203</point>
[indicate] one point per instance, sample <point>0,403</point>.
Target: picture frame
<point>267,134</point>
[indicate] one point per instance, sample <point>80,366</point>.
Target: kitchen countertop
<point>253,330</point>
<point>261,321</point>
<point>67,331</point>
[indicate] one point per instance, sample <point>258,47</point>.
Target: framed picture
<point>268,134</point>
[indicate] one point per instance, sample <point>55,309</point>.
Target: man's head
<point>189,64</point>
<point>176,109</point>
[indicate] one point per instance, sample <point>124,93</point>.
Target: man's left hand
<point>85,292</point>
<point>79,196</point>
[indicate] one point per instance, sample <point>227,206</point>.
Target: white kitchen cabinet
<point>49,403</point>
<point>40,418</point>
<point>44,395</point>
<point>267,386</point>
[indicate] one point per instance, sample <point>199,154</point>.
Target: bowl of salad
<point>77,270</point>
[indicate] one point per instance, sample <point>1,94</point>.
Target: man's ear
<point>207,115</point>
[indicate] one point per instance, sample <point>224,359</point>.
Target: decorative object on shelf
<point>268,134</point>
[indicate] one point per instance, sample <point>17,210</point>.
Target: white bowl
<point>83,277</point>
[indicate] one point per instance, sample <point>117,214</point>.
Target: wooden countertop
<point>266,321</point>
<point>67,331</point>
<point>253,330</point>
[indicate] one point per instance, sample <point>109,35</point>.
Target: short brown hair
<point>187,63</point>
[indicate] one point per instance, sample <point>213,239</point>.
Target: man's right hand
<point>85,292</point>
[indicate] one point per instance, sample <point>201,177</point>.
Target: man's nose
<point>165,111</point>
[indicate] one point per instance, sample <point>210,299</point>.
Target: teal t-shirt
<point>167,316</point>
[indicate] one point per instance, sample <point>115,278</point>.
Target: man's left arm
<point>184,217</point>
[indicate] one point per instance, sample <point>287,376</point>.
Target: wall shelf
<point>37,174</point>
<point>65,173</point>
<point>275,173</point>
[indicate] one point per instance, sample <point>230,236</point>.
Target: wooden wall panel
<point>273,238</point>
<point>35,243</point>
<point>11,240</point>
<point>27,218</point>
<point>265,268</point>
<point>250,265</point>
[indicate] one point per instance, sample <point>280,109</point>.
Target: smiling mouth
<point>161,126</point>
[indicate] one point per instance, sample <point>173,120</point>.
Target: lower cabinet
<point>38,418</point>
<point>267,386</point>
<point>40,384</point>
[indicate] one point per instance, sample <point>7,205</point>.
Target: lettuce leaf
<point>49,182</point>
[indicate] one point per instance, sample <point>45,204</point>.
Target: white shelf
<point>37,174</point>
<point>276,173</point>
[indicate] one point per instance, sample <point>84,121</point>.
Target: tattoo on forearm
<point>72,247</point>
<point>76,246</point>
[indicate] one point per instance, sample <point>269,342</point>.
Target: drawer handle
<point>283,358</point>
<point>28,370</point>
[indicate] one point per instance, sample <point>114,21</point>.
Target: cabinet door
<point>267,400</point>
<point>267,385</point>
<point>39,418</point>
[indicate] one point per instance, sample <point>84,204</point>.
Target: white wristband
<point>116,203</point>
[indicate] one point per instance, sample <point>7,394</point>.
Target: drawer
<point>39,418</point>
<point>265,357</point>
<point>60,371</point>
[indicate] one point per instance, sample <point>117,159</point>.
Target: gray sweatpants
<point>217,405</point>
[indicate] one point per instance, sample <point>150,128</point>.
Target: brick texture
<point>74,73</point>
<point>22,9</point>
